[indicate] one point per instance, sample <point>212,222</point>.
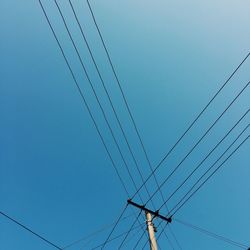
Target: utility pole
<point>150,224</point>
<point>151,231</point>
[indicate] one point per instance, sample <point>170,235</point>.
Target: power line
<point>213,97</point>
<point>118,82</point>
<point>163,230</point>
<point>83,98</point>
<point>125,101</point>
<point>121,90</point>
<point>203,176</point>
<point>201,138</point>
<point>131,228</point>
<point>109,97</point>
<point>106,91</point>
<point>200,186</point>
<point>169,241</point>
<point>117,237</point>
<point>206,157</point>
<point>89,82</point>
<point>119,218</point>
<point>211,234</point>
<point>164,227</point>
<point>192,124</point>
<point>95,94</point>
<point>94,233</point>
<point>39,0</point>
<point>139,240</point>
<point>132,236</point>
<point>113,229</point>
<point>147,242</point>
<point>30,231</point>
<point>177,241</point>
<point>111,103</point>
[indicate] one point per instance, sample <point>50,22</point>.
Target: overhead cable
<point>84,100</point>
<point>174,210</point>
<point>211,234</point>
<point>201,138</point>
<point>206,157</point>
<point>95,94</point>
<point>194,121</point>
<point>30,231</point>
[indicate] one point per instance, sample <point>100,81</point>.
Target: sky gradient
<point>171,57</point>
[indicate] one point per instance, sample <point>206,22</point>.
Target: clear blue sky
<point>171,57</point>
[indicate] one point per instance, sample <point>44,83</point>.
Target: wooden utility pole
<point>151,231</point>
<point>150,224</point>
